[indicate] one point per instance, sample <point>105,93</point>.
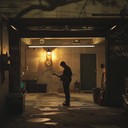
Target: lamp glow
<point>48,58</point>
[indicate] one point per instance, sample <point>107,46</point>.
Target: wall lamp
<point>48,58</point>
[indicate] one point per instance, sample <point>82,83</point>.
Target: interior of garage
<point>64,24</point>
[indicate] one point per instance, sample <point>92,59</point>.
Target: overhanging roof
<point>65,27</point>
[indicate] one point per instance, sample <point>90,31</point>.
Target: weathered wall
<point>4,86</point>
<point>37,69</point>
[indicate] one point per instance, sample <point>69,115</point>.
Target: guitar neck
<point>56,74</point>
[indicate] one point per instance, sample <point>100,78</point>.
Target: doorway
<point>88,71</point>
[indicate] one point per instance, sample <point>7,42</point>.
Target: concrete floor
<point>42,111</point>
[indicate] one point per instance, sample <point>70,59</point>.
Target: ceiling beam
<point>100,25</point>
<point>67,21</point>
<point>41,34</point>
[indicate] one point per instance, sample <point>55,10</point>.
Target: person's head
<point>63,64</point>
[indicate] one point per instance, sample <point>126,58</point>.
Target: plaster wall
<point>34,59</point>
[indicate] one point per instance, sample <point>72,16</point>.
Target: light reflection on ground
<point>44,114</point>
<point>51,123</point>
<point>38,120</point>
<point>51,113</point>
<point>48,109</point>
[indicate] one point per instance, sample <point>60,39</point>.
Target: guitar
<point>60,76</point>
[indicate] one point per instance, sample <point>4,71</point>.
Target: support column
<point>14,71</point>
<point>117,62</point>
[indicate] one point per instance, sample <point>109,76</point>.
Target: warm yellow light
<point>62,46</point>
<point>48,58</point>
<point>54,54</point>
<point>49,53</point>
<point>98,40</point>
<point>39,120</point>
<point>5,50</point>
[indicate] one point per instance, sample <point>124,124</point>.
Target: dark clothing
<point>67,77</point>
<point>67,73</point>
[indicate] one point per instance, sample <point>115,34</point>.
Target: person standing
<point>66,78</point>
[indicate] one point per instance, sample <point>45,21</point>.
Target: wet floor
<point>42,111</point>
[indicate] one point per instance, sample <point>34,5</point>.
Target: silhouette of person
<point>66,78</point>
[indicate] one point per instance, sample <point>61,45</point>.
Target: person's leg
<point>67,94</point>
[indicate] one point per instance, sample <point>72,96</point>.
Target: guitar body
<point>60,76</point>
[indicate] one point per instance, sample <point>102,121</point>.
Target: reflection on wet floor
<point>51,123</point>
<point>48,109</point>
<point>42,111</point>
<point>37,120</point>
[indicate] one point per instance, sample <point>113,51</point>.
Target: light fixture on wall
<point>62,46</point>
<point>48,57</point>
